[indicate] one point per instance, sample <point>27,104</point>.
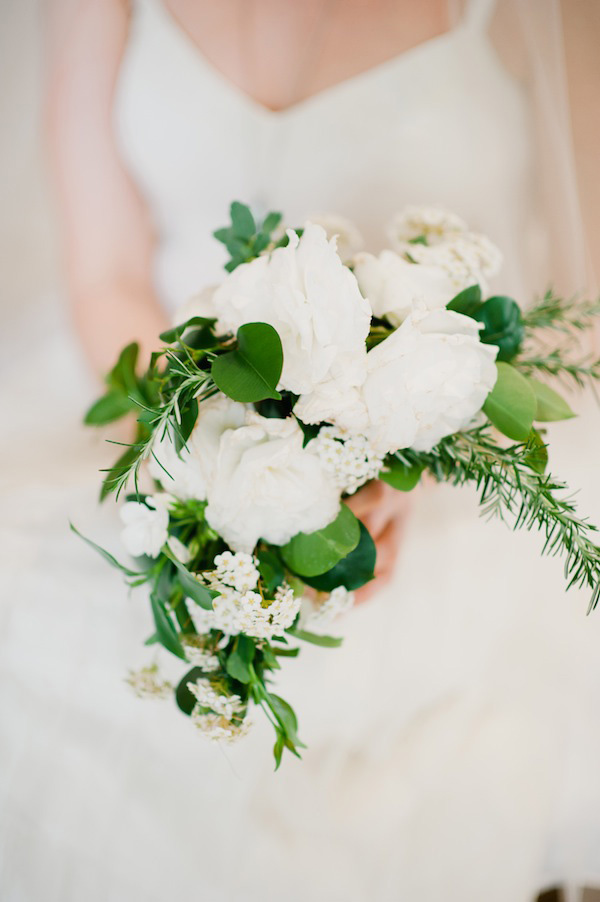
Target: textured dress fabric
<point>453,739</point>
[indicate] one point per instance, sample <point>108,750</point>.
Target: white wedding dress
<point>453,741</point>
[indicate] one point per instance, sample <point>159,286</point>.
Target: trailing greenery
<point>512,488</point>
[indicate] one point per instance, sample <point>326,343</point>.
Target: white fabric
<point>453,740</point>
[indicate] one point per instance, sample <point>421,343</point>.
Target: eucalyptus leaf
<point>271,571</point>
<point>399,475</point>
<point>251,372</point>
<point>311,554</point>
<point>551,406</point>
<point>110,407</point>
<point>242,221</point>
<point>122,377</point>
<point>353,571</point>
<point>172,335</point>
<point>186,701</point>
<point>467,301</point>
<point>511,405</point>
<point>502,325</point>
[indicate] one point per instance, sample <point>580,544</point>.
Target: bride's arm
<point>107,235</point>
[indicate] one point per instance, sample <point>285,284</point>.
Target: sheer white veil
<point>528,38</point>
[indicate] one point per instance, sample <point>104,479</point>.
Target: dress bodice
<point>442,123</point>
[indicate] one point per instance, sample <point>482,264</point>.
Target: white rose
<point>392,285</point>
<point>427,380</point>
<point>348,238</point>
<point>146,525</point>
<point>313,301</point>
<point>187,474</point>
<point>268,486</point>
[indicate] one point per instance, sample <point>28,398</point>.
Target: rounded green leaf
<point>353,571</point>
<point>251,372</point>
<point>550,405</point>
<point>502,325</point>
<point>511,404</point>
<point>310,554</point>
<point>399,476</point>
<point>467,301</point>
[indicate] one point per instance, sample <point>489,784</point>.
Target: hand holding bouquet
<point>298,379</point>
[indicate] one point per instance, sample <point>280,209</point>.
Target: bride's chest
<point>441,123</point>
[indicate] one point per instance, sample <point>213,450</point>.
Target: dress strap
<point>478,14</point>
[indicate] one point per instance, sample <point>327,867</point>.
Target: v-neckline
<point>181,34</point>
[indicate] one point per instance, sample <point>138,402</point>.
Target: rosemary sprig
<point>511,490</point>
<point>181,383</point>
<point>561,314</point>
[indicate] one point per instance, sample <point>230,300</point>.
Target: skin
<point>108,235</point>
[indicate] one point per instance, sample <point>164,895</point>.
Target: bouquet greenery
<point>306,373</point>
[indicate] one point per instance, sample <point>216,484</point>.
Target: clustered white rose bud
<point>322,613</point>
<point>350,459</point>
<point>147,683</point>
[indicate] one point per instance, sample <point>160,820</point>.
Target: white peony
<point>188,474</point>
<point>266,485</point>
<point>427,380</point>
<point>200,304</point>
<point>146,525</point>
<point>392,285</point>
<point>467,259</point>
<point>313,301</point>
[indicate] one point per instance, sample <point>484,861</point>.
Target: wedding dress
<point>454,739</point>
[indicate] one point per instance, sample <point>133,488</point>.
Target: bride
<point>454,739</point>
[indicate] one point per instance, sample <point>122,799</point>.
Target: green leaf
<point>278,748</point>
<point>186,702</point>
<point>399,475</point>
<point>242,221</point>
<point>536,453</point>
<point>106,554</point>
<point>251,372</point>
<point>240,658</point>
<point>550,405</point>
<point>315,638</point>
<point>270,222</point>
<point>189,415</point>
<point>310,554</point>
<point>467,301</point>
<point>122,377</point>
<point>192,587</point>
<point>270,569</point>
<point>287,719</point>
<point>353,571</point>
<point>110,407</point>
<point>165,629</point>
<point>172,335</point>
<point>502,325</point>
<point>511,404</point>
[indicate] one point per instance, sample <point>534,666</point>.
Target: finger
<point>363,502</point>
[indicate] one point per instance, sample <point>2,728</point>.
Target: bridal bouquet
<point>311,369</point>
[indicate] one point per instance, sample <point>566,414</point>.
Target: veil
<point>528,38</point>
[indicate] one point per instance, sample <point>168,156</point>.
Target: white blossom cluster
<point>432,223</point>
<point>338,602</point>
<point>350,459</point>
<point>198,654</point>
<point>216,714</point>
<point>239,608</point>
<point>147,683</point>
